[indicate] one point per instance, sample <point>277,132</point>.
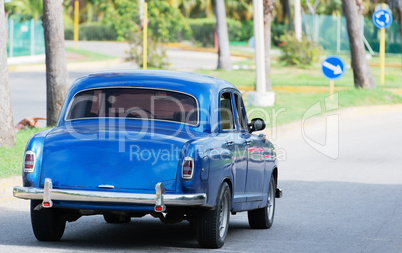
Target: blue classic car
<point>177,146</point>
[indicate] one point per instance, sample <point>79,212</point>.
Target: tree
<point>224,61</point>
<point>397,5</point>
<point>29,9</point>
<point>7,132</point>
<point>268,6</point>
<point>56,67</point>
<point>361,71</point>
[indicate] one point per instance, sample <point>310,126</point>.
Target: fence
<point>331,33</point>
<point>25,38</point>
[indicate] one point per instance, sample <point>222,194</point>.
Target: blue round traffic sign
<point>333,67</point>
<point>382,18</point>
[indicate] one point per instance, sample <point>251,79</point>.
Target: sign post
<point>76,20</point>
<point>382,19</point>
<point>145,38</point>
<point>333,68</point>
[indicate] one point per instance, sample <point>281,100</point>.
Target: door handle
<point>229,143</point>
<point>248,142</point>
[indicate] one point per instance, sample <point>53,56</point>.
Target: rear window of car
<point>134,103</point>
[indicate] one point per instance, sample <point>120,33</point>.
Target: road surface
<point>351,204</point>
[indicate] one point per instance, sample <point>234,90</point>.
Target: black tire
<point>212,225</point>
<point>116,219</point>
<point>263,218</point>
<point>47,223</point>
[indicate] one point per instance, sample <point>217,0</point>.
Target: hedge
<point>96,32</point>
<point>204,30</point>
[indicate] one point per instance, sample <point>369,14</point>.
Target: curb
<point>312,89</point>
<point>206,50</point>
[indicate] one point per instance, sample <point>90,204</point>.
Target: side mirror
<point>256,124</point>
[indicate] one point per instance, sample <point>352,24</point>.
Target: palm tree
<point>7,132</point>
<point>30,9</point>
<point>239,9</point>
<point>268,6</point>
<point>224,61</point>
<point>56,66</point>
<point>397,5</point>
<point>361,71</point>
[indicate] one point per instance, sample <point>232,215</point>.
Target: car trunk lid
<point>92,159</point>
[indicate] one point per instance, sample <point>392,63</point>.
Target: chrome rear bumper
<point>160,199</point>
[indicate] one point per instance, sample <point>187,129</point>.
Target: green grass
<point>89,55</point>
<point>11,158</point>
<point>291,107</point>
<point>282,75</point>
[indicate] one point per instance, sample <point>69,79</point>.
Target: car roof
<point>191,83</point>
<point>206,89</point>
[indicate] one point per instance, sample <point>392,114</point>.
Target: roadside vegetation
<point>297,88</point>
<point>82,55</point>
<point>11,158</point>
<point>306,75</point>
<point>291,106</point>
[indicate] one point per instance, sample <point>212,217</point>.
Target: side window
<point>241,112</point>
<point>226,112</point>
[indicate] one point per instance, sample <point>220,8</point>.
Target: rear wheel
<point>212,225</point>
<point>47,223</point>
<point>116,219</point>
<point>263,218</point>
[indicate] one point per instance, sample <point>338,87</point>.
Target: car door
<point>235,144</point>
<point>255,151</point>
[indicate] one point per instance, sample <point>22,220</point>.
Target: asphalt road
<point>351,204</point>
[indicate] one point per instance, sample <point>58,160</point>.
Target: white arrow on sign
<point>337,70</point>
<point>379,14</point>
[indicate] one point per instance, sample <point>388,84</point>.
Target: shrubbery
<point>204,30</point>
<point>95,31</point>
<point>166,23</point>
<point>296,52</point>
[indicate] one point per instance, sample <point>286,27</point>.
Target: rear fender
<point>35,144</point>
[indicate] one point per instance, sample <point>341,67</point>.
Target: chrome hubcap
<point>223,215</point>
<point>271,202</point>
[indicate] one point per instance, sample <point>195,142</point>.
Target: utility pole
<point>260,97</point>
<point>298,20</point>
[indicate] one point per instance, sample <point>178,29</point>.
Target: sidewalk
<point>7,185</point>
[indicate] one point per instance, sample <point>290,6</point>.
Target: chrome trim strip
<point>111,197</point>
<point>133,87</point>
<point>106,186</point>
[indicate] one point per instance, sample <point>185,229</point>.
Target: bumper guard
<point>160,199</point>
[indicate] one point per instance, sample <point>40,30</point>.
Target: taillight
<point>29,162</point>
<point>188,168</point>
